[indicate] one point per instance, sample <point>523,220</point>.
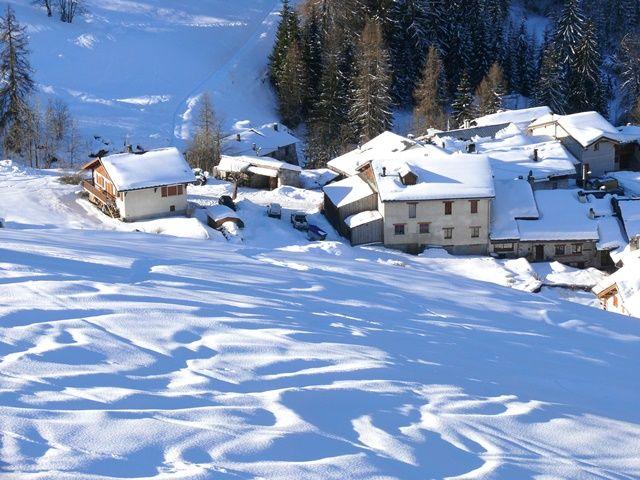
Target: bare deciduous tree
<point>48,4</point>
<point>69,9</point>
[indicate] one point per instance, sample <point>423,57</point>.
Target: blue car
<point>315,233</point>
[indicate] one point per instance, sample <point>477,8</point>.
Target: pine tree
<point>287,34</point>
<point>630,72</point>
<point>371,109</point>
<point>430,99</point>
<point>17,85</point>
<point>551,85</point>
<point>522,58</point>
<point>313,46</point>
<point>585,87</point>
<point>570,30</point>
<point>463,105</point>
<point>293,87</point>
<point>491,91</point>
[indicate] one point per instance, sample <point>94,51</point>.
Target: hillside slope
<point>136,68</point>
<point>128,355</point>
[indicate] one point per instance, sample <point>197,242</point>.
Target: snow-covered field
<point>137,67</point>
<point>135,355</point>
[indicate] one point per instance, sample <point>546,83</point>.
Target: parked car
<point>604,183</point>
<point>201,178</point>
<point>315,233</point>
<point>274,210</point>
<point>227,201</point>
<point>299,221</point>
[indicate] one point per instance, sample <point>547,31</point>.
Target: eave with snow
<point>270,140</point>
<point>138,186</point>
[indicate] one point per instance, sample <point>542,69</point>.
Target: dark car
<point>227,201</point>
<point>299,221</point>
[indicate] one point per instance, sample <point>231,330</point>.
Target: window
<point>423,227</point>
<point>503,247</point>
<point>180,190</point>
<point>448,233</point>
<point>172,191</point>
<point>448,208</point>
<point>615,300</point>
<point>172,208</point>
<point>475,232</point>
<point>399,229</point>
<point>474,206</point>
<point>559,249</point>
<point>164,191</point>
<point>412,209</point>
<point>577,248</point>
<point>596,147</point>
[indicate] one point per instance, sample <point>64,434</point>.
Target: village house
<point>271,140</point>
<point>467,134</point>
<point>259,172</point>
<point>384,145</point>
<point>554,225</point>
<point>620,292</point>
<point>587,135</point>
<point>422,198</point>
<point>520,118</point>
<point>138,186</point>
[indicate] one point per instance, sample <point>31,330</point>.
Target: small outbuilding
<point>218,215</point>
<point>139,186</point>
<point>272,140</point>
<point>259,172</point>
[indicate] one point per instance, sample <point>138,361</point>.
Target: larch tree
<point>204,149</point>
<point>430,96</point>
<point>371,108</point>
<point>464,102</point>
<point>491,91</point>
<point>17,85</point>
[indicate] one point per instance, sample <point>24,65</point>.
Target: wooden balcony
<point>100,195</point>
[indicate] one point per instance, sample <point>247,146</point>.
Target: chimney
<point>275,127</point>
<point>531,179</point>
<point>254,147</point>
<point>592,213</point>
<point>238,138</point>
<point>535,155</point>
<point>384,171</point>
<point>471,148</point>
<point>129,149</point>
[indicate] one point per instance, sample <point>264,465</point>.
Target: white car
<point>274,210</point>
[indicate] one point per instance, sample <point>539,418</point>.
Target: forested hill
<point>343,66</point>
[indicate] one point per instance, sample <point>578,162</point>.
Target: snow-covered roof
<point>362,218</point>
<point>155,168</point>
<point>629,181</point>
<point>628,282</point>
<point>562,217</point>
<point>266,139</point>
<point>382,146</point>
<point>520,118</point>
<point>485,131</point>
<point>346,191</point>
<point>513,161</point>
<point>585,127</point>
<point>221,212</point>
<point>514,200</point>
<point>630,212</point>
<point>629,133</point>
<point>440,176</point>
<point>247,163</point>
<point>610,234</point>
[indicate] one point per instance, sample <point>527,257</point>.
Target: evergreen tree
<point>630,72</point>
<point>491,91</point>
<point>551,86</point>
<point>293,86</point>
<point>463,105</point>
<point>371,109</point>
<point>17,84</point>
<point>522,59</point>
<point>570,30</point>
<point>585,87</point>
<point>313,46</point>
<point>430,98</point>
<point>287,34</point>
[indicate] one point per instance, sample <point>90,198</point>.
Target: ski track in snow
<point>131,355</point>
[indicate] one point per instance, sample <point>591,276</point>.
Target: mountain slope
<point>136,68</point>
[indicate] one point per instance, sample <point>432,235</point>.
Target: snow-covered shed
<point>384,145</point>
<point>137,186</point>
<point>218,215</point>
<point>260,172</point>
<point>270,140</point>
<point>346,198</point>
<point>587,135</point>
<point>521,118</point>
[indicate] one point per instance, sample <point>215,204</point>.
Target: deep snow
<point>134,69</point>
<point>132,355</point>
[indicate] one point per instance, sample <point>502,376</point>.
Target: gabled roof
<point>346,191</point>
<point>586,128</point>
<point>155,168</point>
<point>244,163</point>
<point>520,118</point>
<point>439,176</point>
<point>266,139</point>
<point>383,145</point>
<point>486,131</point>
